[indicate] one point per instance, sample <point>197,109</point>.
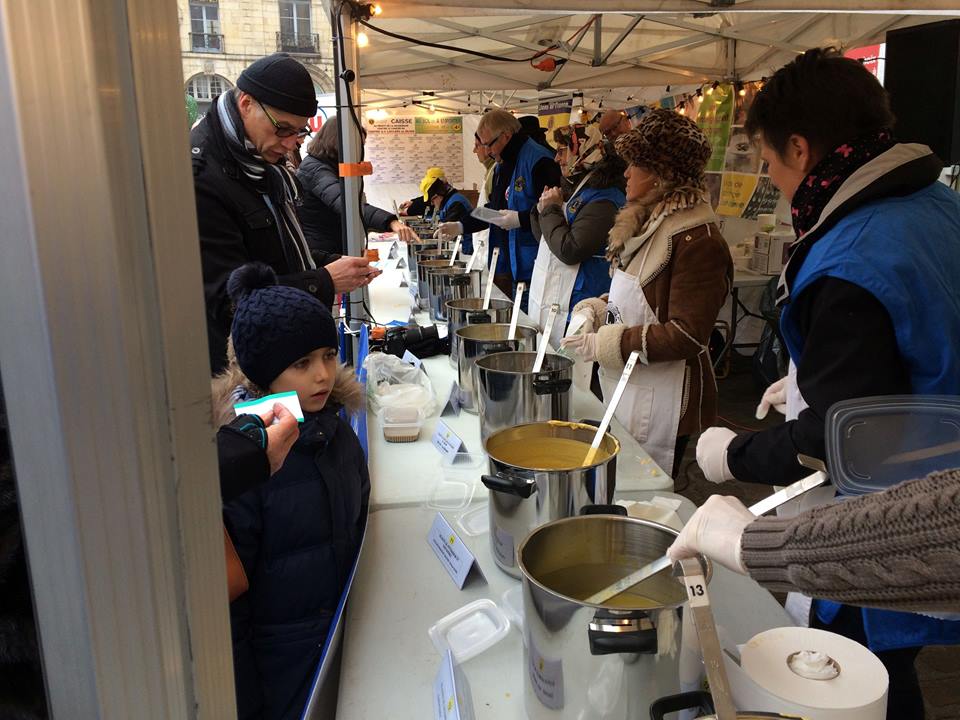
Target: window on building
<point>204,88</point>
<point>205,26</point>
<point>295,35</point>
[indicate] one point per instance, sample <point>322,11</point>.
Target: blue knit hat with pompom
<point>274,325</point>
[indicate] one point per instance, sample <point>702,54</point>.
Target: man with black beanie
<point>247,198</point>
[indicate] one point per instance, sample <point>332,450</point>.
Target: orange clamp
<point>356,169</point>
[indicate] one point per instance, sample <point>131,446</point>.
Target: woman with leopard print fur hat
<point>671,272</point>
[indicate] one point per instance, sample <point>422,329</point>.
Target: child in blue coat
<point>298,534</point>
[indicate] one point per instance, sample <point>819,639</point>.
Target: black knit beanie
<point>281,82</point>
<point>274,325</point>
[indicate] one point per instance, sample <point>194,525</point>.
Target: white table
<point>389,664</point>
<point>407,473</point>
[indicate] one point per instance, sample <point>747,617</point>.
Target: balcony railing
<point>299,44</point>
<point>206,42</point>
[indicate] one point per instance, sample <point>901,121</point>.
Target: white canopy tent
<point>621,53</point>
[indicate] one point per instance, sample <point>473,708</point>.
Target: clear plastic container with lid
<point>876,442</point>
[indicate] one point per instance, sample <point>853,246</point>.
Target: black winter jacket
<point>21,679</point>
<point>297,536</point>
<point>322,208</point>
<point>236,227</point>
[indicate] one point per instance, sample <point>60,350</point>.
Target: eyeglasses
<point>284,131</point>
<point>487,145</point>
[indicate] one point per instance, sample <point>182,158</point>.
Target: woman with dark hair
<point>870,297</point>
<point>572,225</point>
<point>322,209</point>
<point>671,272</point>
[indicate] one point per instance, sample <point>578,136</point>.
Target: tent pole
<point>347,71</point>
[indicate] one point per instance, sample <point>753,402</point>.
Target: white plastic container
<point>470,630</point>
<point>401,424</point>
<point>475,521</point>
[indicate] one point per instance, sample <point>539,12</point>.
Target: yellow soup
<point>546,453</point>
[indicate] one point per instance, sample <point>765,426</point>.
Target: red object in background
<point>869,54</point>
<point>316,122</point>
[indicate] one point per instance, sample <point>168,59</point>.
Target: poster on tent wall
<point>554,114</point>
<point>402,148</point>
<point>736,177</point>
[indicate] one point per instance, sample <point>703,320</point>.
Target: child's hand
<point>282,433</point>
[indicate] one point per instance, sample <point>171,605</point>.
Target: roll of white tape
<point>845,681</point>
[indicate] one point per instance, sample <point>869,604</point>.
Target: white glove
<point>774,397</point>
<point>449,230</point>
<point>509,219</point>
<point>712,453</point>
<point>715,530</point>
<point>583,344</point>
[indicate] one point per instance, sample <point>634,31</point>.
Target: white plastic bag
<point>391,382</point>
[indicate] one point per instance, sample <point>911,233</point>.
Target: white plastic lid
<point>876,442</point>
<point>475,521</point>
<point>470,630</point>
<point>448,494</point>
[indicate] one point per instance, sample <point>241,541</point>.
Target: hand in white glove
<point>774,397</point>
<point>449,230</point>
<point>583,344</point>
<point>712,453</point>
<point>714,530</point>
<point>509,219</point>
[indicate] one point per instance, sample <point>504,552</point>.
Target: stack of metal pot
<point>450,283</point>
<point>476,341</point>
<point>469,311</point>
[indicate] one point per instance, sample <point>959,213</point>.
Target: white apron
<point>552,281</point>
<point>650,406</point>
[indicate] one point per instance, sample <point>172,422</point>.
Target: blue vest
<point>467,244</point>
<point>593,278</point>
<point>522,197</point>
<point>905,251</point>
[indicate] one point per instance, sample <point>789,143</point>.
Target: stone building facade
<point>219,38</point>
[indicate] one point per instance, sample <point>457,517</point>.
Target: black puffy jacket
<point>322,208</point>
<point>297,536</point>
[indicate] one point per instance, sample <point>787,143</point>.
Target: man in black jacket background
<point>246,197</point>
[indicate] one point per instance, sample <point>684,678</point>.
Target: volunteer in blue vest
<point>525,169</point>
<point>870,298</point>
<point>451,206</point>
<point>571,262</point>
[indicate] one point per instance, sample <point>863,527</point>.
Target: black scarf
<point>274,181</point>
<point>829,174</point>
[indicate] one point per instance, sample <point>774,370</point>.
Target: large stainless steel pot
<point>424,266</point>
<point>597,661</point>
<point>509,393</point>
<point>537,475</point>
<point>477,341</point>
<point>469,311</point>
<point>446,284</point>
<point>417,256</point>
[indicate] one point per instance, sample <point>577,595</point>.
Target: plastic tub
<point>401,424</point>
<point>470,630</point>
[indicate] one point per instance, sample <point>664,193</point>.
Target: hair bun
<point>247,278</point>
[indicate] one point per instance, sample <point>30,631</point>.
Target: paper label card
<point>446,441</point>
<point>451,692</point>
<point>265,404</point>
<point>409,357</point>
<point>456,559</point>
<point>452,405</point>
<point>392,253</point>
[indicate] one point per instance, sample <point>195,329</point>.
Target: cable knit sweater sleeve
<point>899,549</point>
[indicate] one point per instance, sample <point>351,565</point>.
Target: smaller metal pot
<point>509,392</point>
<point>450,283</point>
<point>477,341</point>
<point>469,311</point>
<point>423,279</point>
<point>417,255</point>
